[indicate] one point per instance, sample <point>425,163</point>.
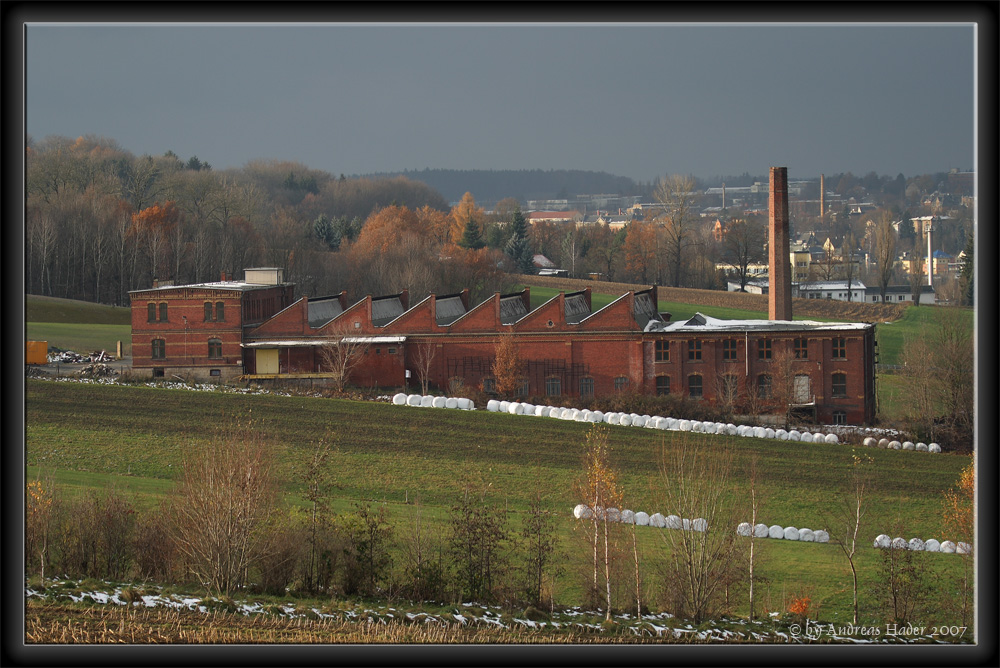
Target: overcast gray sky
<point>633,100</point>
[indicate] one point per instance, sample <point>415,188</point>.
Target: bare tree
<point>755,502</point>
<point>885,250</point>
<point>676,193</point>
<point>917,272</point>
<point>848,255</point>
<point>743,246</point>
<point>848,512</point>
<point>702,563</point>
<point>224,501</point>
<point>601,492</point>
<point>423,360</point>
<point>341,353</point>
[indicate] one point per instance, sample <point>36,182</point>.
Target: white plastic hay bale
<point>908,445</point>
<point>699,524</point>
<point>775,531</point>
<point>895,445</point>
<point>627,517</point>
<point>806,535</point>
<point>932,545</point>
<point>413,400</point>
<point>759,432</point>
<point>571,414</point>
<point>760,530</point>
<point>769,433</point>
<point>657,520</point>
<point>917,545</point>
<point>832,438</point>
<point>673,522</point>
<point>541,411</point>
<point>882,541</point>
<point>529,409</point>
<point>806,437</point>
<point>399,399</point>
<point>684,425</point>
<point>426,401</point>
<point>821,536</point>
<point>869,442</point>
<point>933,447</point>
<point>597,416</point>
<point>731,429</point>
<point>556,413</point>
<point>451,402</point>
<point>515,408</point>
<point>672,424</point>
<point>744,529</point>
<point>899,543</point>
<point>686,524</point>
<point>642,519</point>
<point>582,512</point>
<point>793,435</point>
<point>948,547</point>
<point>493,405</point>
<point>439,402</point>
<point>781,434</point>
<point>921,447</point>
<point>696,426</point>
<point>611,418</point>
<point>614,515</point>
<point>625,420</point>
<point>504,406</point>
<point>962,548</point>
<point>639,421</point>
<point>819,437</point>
<point>791,533</point>
<point>883,443</point>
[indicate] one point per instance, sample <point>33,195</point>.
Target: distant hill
<point>489,186</point>
<point>39,308</point>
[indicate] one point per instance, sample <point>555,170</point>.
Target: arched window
<point>553,386</point>
<point>215,348</point>
<point>159,349</point>
<point>586,387</point>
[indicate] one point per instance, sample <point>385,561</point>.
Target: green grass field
<point>89,436</point>
<point>83,327</point>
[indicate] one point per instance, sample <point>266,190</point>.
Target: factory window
<point>208,311</point>
<point>839,417</point>
<point>662,385</point>
<point>220,311</point>
<point>159,349</point>
<point>840,384</point>
<point>392,351</point>
<point>524,389</point>
<point>215,372</point>
<point>586,387</point>
<point>158,372</point>
<point>840,348</point>
<point>163,311</point>
<point>215,349</point>
<point>151,312</point>
<point>764,349</point>
<point>553,387</point>
<point>694,386</point>
<point>621,383</point>
<point>489,385</point>
<point>801,349</point>
<point>663,351</point>
<point>694,350</point>
<point>729,350</point>
<point>764,386</point>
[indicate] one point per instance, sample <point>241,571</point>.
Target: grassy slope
<point>70,324</point>
<point>92,434</point>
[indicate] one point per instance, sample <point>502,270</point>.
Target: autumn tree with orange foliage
<point>508,367</point>
<point>960,525</point>
<point>152,227</point>
<point>640,250</point>
<point>462,214</point>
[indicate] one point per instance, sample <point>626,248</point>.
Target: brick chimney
<point>779,300</point>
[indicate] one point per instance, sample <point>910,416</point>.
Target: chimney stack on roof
<point>779,301</point>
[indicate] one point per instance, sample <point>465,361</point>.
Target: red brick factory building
<point>253,330</point>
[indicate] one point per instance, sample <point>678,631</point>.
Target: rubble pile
<point>71,357</point>
<point>97,370</point>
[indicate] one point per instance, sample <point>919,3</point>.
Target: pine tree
<point>472,238</point>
